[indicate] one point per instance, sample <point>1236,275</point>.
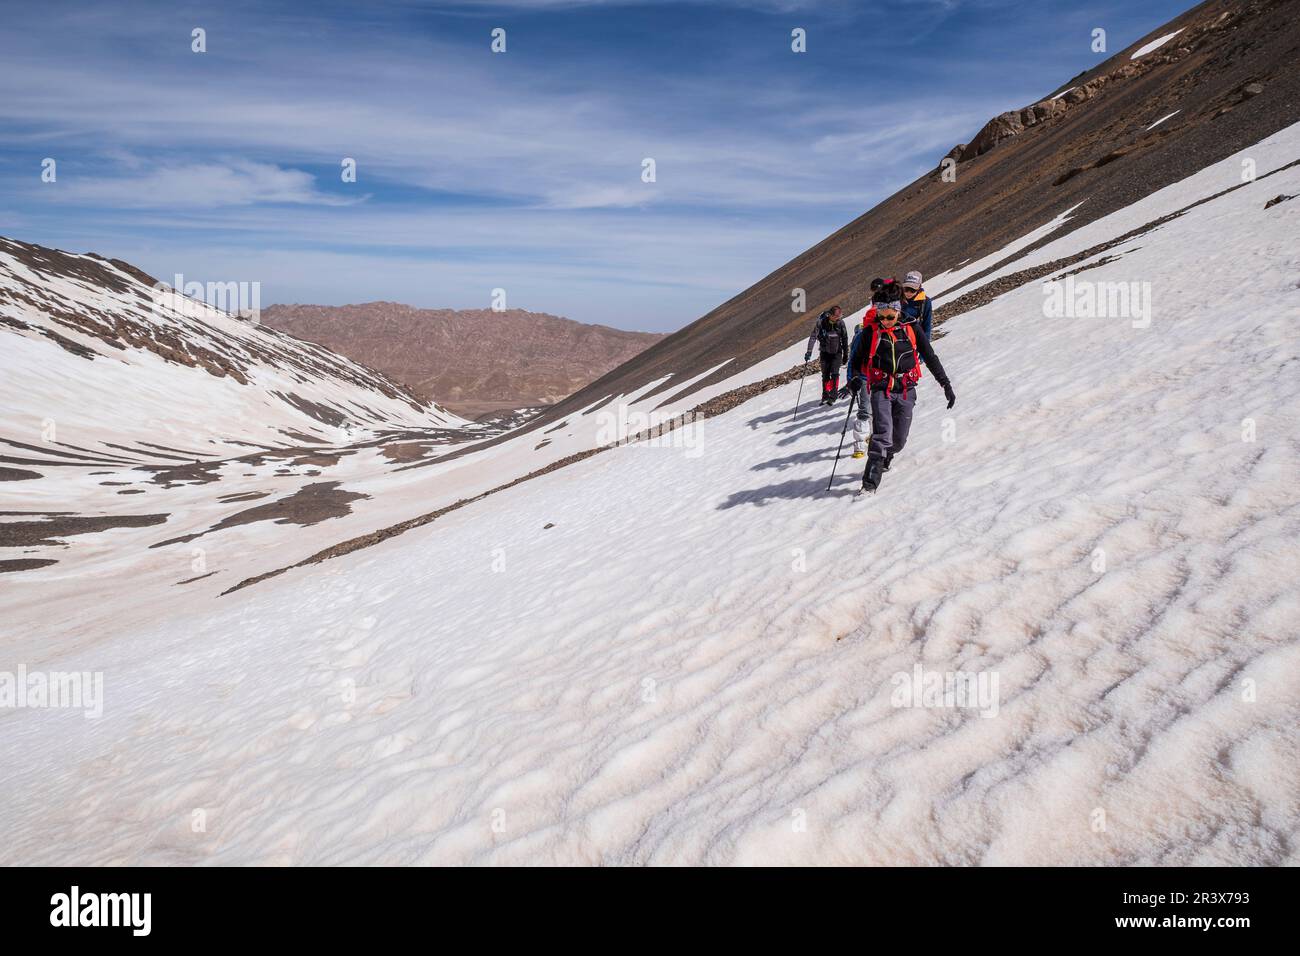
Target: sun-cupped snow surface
<point>706,657</point>
<point>1154,45</point>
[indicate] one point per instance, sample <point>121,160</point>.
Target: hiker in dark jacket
<point>918,310</point>
<point>832,340</point>
<point>883,371</point>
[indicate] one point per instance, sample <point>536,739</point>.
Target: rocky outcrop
<point>1006,125</point>
<point>1014,122</point>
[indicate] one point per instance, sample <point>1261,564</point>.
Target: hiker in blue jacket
<point>917,307</point>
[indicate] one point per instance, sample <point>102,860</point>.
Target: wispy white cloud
<point>436,116</point>
<point>197,185</point>
<point>472,167</point>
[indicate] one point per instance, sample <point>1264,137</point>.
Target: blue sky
<point>519,170</point>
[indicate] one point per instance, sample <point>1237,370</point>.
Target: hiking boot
<point>859,454</point>
<point>889,460</point>
<point>871,477</point>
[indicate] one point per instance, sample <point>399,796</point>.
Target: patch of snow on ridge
<point>702,650</point>
<point>936,284</point>
<point>1270,153</point>
<point>1062,93</point>
<point>1154,44</point>
<point>686,388</point>
<point>1162,119</point>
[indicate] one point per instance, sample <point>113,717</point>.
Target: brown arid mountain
<point>1092,145</point>
<point>476,361</point>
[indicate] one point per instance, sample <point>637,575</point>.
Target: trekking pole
<point>799,399</point>
<point>843,431</point>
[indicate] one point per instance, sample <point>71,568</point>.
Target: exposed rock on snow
<point>54,526</point>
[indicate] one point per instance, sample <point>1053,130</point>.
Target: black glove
<point>949,394</point>
<point>807,356</point>
<point>855,385</point>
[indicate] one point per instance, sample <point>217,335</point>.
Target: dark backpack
<point>829,335</point>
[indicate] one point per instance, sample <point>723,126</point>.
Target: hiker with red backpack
<point>832,339</point>
<point>882,290</point>
<point>883,371</point>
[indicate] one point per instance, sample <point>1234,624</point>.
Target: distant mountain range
<point>475,361</point>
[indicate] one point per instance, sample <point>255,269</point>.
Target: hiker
<point>884,356</point>
<point>833,342</point>
<point>917,308</point>
<point>879,293</point>
<point>882,290</point>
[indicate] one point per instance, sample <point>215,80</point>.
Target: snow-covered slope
<point>135,417</point>
<point>168,370</point>
<point>697,654</point>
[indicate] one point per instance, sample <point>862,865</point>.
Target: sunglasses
<point>911,289</point>
<point>887,316</point>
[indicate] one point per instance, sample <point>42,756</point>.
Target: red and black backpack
<point>891,341</point>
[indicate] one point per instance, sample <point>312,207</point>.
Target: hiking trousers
<point>830,374</point>
<point>891,420</point>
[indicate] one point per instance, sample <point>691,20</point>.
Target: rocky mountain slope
<point>474,361</point>
<point>1145,117</point>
